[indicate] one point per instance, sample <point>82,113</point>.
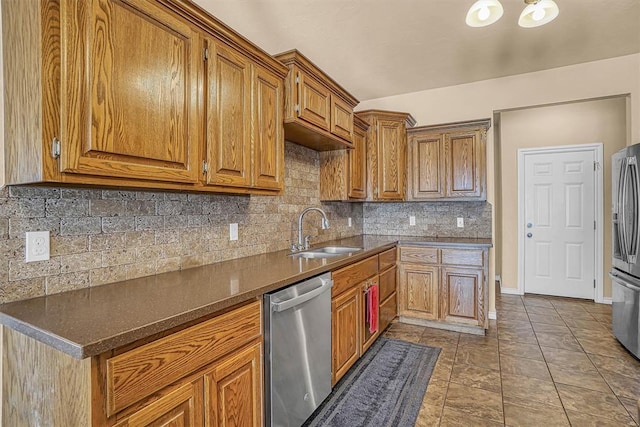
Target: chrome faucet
<point>303,243</point>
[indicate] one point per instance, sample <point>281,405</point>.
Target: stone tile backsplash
<point>101,236</point>
<point>432,219</point>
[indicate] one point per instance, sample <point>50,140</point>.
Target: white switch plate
<point>37,246</point>
<point>412,220</point>
<point>349,222</point>
<point>460,222</point>
<point>233,231</point>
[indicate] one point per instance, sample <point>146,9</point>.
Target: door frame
<point>597,149</point>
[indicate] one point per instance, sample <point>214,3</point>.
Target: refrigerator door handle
<point>622,226</point>
<point>632,252</point>
<point>624,282</point>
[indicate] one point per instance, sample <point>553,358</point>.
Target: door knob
<point>529,235</point>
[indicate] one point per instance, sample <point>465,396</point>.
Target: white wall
<point>478,100</point>
<point>599,121</point>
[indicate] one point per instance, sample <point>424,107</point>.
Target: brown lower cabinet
<point>350,334</point>
<point>209,374</point>
<point>228,394</point>
<point>444,287</point>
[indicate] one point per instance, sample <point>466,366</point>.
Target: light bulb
<point>538,14</point>
<point>484,13</point>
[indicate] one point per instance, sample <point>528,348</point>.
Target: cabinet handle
<point>297,106</point>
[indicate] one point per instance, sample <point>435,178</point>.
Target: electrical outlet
<point>37,246</point>
<point>349,222</point>
<point>412,220</point>
<point>460,222</point>
<point>233,231</point>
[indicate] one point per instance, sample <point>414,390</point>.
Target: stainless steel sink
<point>326,252</point>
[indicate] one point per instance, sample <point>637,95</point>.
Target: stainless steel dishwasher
<point>297,350</point>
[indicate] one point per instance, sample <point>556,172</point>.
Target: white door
<point>559,224</point>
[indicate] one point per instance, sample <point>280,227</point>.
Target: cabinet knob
<point>529,235</point>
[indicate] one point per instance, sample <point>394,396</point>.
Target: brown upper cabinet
<point>318,112</point>
<point>343,173</point>
<point>244,117</point>
<point>448,161</point>
<point>138,93</point>
<point>386,153</point>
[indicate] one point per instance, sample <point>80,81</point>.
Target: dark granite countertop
<point>87,322</point>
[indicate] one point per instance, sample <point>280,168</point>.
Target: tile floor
<point>545,362</point>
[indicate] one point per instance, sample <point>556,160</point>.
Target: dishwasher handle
<point>285,305</point>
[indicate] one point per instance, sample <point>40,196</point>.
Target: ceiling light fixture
<point>535,14</point>
<point>483,13</point>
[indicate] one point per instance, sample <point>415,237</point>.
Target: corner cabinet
<point>208,374</point>
<point>448,162</point>
<point>444,287</point>
<point>386,153</point>
<point>139,93</point>
<point>343,173</point>
<point>318,112</point>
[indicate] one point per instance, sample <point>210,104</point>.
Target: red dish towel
<point>372,299</point>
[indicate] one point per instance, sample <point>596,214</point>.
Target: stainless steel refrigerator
<point>625,275</point>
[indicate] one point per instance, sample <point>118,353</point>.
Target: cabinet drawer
<point>387,283</point>
<point>388,311</point>
<point>386,259</point>
<point>419,255</point>
<point>140,372</point>
<point>463,257</point>
<point>353,274</point>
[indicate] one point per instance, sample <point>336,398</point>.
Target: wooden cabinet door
<point>465,164</point>
<point>233,389</point>
<point>388,283</point>
<point>180,407</point>
<point>268,132</point>
<point>427,166</point>
<point>462,295</point>
<point>388,311</point>
<point>345,331</point>
<point>392,142</point>
<point>419,291</point>
<point>358,166</point>
<point>341,119</point>
<point>313,101</point>
<point>228,128</point>
<point>130,85</point>
<point>368,338</point>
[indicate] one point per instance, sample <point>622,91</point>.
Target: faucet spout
<point>302,244</point>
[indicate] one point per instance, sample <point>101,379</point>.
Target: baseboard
<point>606,300</point>
<point>499,279</point>
<point>475,330</point>
<point>493,315</point>
<point>509,291</point>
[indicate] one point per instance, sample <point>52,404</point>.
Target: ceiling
<point>378,48</point>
